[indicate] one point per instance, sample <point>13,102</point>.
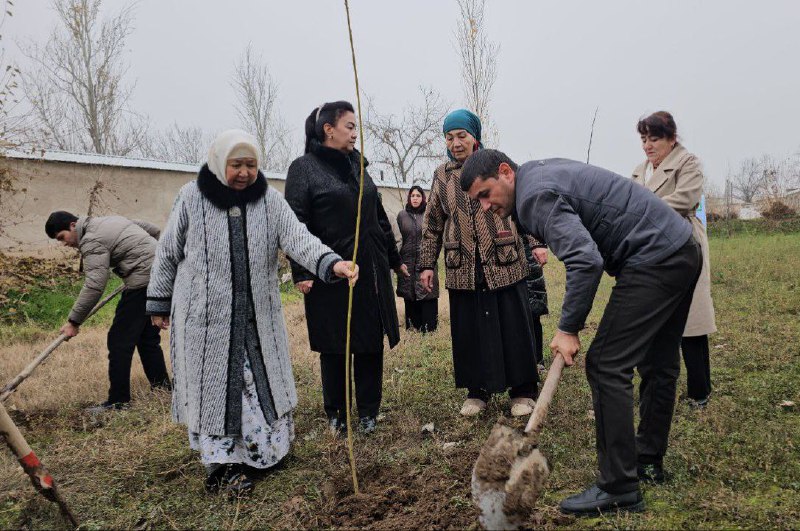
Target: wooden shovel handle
<point>536,421</point>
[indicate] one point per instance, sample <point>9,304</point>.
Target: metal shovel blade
<point>490,500</point>
<point>508,478</point>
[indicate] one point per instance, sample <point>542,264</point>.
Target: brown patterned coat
<point>455,222</point>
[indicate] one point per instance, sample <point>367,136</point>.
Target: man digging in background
<point>595,220</point>
<point>129,248</point>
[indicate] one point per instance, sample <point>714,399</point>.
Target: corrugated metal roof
<point>94,159</point>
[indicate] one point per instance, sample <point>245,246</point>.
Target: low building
<point>130,187</point>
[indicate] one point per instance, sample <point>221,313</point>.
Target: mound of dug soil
<point>391,498</point>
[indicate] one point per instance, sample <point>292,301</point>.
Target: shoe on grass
<point>229,479</point>
<point>472,407</point>
<point>651,473</point>
<point>103,407</point>
<point>595,500</point>
<point>522,406</point>
<point>336,426</point>
<point>367,425</point>
<point>697,403</point>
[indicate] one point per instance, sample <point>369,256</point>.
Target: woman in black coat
<point>322,188</point>
<point>421,305</point>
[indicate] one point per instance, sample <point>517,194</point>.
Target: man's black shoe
<point>595,500</point>
<point>651,473</point>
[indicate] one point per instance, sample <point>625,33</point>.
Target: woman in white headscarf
<point>214,279</point>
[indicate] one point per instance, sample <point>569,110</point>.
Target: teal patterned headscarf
<point>466,120</point>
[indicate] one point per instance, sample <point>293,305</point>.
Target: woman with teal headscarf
<point>485,266</point>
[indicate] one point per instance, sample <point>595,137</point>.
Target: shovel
<point>510,472</point>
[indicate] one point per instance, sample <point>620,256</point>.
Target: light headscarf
<point>231,144</point>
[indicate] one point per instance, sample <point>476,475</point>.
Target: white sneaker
<point>522,406</point>
<point>472,407</point>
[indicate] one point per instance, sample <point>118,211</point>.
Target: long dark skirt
<point>493,338</point>
<point>422,315</point>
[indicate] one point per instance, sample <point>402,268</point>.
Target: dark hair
<point>58,221</point>
<point>418,189</point>
<point>483,164</point>
<point>660,124</point>
<point>329,114</point>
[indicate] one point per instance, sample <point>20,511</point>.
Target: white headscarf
<point>231,144</point>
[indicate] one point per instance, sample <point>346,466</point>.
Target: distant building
<point>131,187</point>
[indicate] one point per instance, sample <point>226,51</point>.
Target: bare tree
<point>478,56</point>
<point>780,176</point>
<point>748,181</point>
<point>256,104</point>
<point>75,87</point>
<point>413,139</point>
<point>188,145</point>
<point>9,129</point>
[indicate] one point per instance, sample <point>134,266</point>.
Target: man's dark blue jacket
<point>594,220</point>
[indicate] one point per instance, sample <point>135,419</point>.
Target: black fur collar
<point>347,166</point>
<point>223,197</point>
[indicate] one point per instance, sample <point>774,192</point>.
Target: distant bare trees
<point>256,103</point>
<point>478,56</point>
<point>188,145</point>
<point>766,177</point>
<point>747,181</point>
<point>9,77</point>
<point>9,186</point>
<point>78,98</point>
<point>412,140</point>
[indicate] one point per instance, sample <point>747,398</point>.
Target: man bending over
<point>594,220</point>
<point>128,247</point>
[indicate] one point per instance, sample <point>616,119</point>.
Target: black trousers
<point>641,328</point>
<point>538,341</point>
<point>367,371</point>
<point>422,315</point>
<point>698,366</point>
<point>131,330</point>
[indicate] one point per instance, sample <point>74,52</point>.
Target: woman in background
<point>675,175</point>
<point>422,306</point>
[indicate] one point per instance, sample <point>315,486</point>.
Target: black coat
<point>322,189</point>
<point>410,288</point>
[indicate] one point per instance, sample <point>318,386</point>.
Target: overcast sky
<point>726,69</point>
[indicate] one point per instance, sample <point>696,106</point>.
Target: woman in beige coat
<point>674,175</point>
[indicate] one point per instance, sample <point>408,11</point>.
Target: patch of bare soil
<point>391,498</point>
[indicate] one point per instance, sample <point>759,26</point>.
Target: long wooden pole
<point>40,478</point>
<point>348,356</point>
<point>9,388</point>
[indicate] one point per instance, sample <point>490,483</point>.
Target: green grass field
<point>735,464</point>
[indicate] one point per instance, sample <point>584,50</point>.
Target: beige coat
<point>127,246</point>
<point>678,180</point>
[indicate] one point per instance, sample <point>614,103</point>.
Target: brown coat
<point>456,222</point>
<point>678,180</point>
